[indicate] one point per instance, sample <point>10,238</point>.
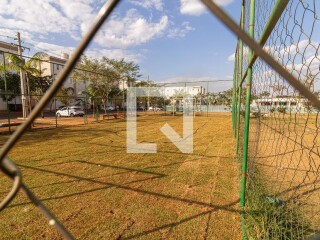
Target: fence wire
<point>283,187</point>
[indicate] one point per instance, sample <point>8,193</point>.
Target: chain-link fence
<point>280,147</point>
<point>281,194</point>
<point>90,96</point>
<point>86,96</point>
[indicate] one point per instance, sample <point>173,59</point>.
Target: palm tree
<point>30,67</point>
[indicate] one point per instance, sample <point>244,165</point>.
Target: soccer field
<point>98,191</point>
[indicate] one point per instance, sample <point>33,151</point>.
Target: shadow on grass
<point>124,187</point>
<point>174,224</point>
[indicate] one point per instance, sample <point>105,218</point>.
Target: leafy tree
<point>264,94</point>
<point>38,87</point>
<point>126,72</point>
<point>65,95</point>
<point>13,86</point>
<point>93,93</point>
<point>105,91</point>
<point>93,71</point>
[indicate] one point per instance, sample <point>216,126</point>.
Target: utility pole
<point>22,81</point>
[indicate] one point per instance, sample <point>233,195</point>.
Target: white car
<point>110,108</point>
<point>70,112</point>
<point>155,108</point>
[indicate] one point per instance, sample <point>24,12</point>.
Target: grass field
<point>284,163</point>
<point>84,175</point>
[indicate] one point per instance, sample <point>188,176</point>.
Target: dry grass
<point>285,153</point>
<point>84,175</point>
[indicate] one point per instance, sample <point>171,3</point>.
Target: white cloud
<point>196,7</point>
<point>180,32</point>
<point>60,22</point>
<point>57,50</point>
<point>131,30</point>
<point>53,49</point>
<point>157,4</point>
<point>115,53</point>
<point>34,16</point>
<point>72,18</point>
<point>232,57</point>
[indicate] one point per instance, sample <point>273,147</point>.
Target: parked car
<point>70,112</point>
<point>110,108</point>
<point>155,108</point>
<point>59,108</point>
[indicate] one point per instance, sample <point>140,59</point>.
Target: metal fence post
<point>247,120</point>
<point>239,74</point>
<point>55,111</point>
<point>234,96</point>
<point>85,117</point>
<point>234,91</point>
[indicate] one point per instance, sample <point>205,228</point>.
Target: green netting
<point>282,190</point>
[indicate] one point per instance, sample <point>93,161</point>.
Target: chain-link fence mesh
<point>82,99</point>
<point>282,191</point>
<point>79,101</point>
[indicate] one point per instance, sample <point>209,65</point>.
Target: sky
<point>171,40</point>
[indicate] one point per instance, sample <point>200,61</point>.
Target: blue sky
<point>170,40</point>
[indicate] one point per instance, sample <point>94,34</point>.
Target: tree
<point>264,94</point>
<point>125,72</point>
<point>32,67</point>
<point>38,87</point>
<point>13,86</point>
<point>90,70</point>
<point>93,93</point>
<point>65,95</point>
<point>105,91</point>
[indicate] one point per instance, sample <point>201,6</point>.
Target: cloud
<point>156,4</point>
<point>131,30</point>
<point>53,49</point>
<point>127,55</point>
<point>34,16</point>
<point>196,7</point>
<point>232,57</point>
<point>57,50</point>
<point>72,18</point>
<point>53,25</point>
<point>180,32</point>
